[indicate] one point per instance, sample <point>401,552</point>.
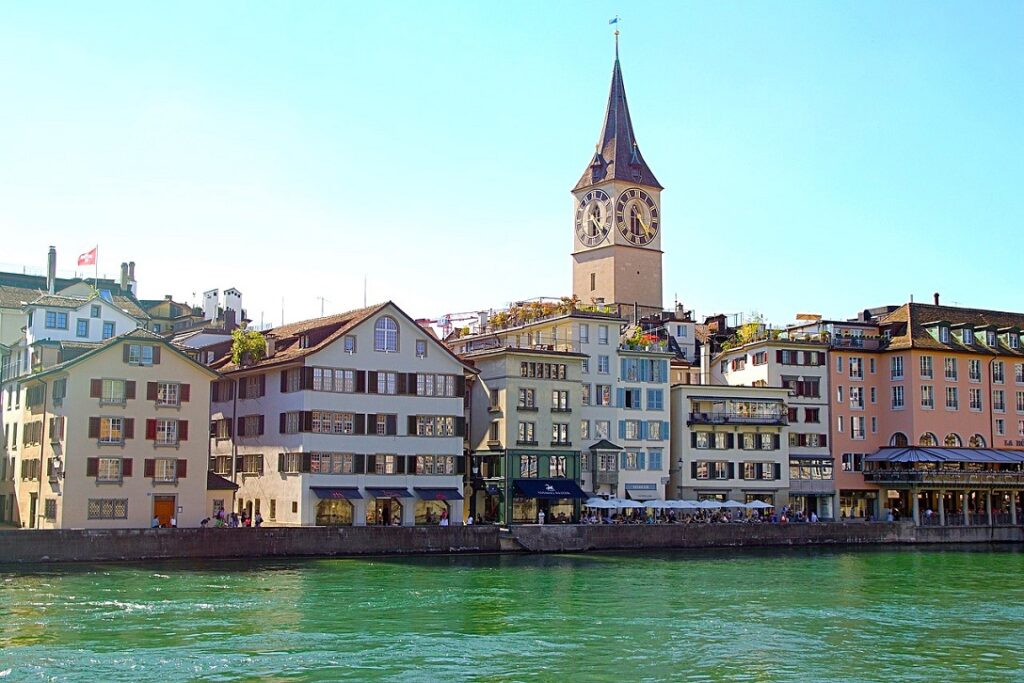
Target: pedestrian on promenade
<point>259,520</point>
<point>155,524</point>
<point>540,516</point>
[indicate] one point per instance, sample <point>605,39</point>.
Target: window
<point>952,399</point>
<point>630,399</point>
<point>527,398</point>
<point>927,397</point>
<point>968,335</point>
<point>1018,373</point>
<point>111,430</point>
<point>976,441</point>
<point>871,365</point>
<point>107,508</point>
<point>839,423</point>
<point>703,469</point>
<point>896,367</point>
<point>385,335</point>
<point>421,348</point>
<point>812,415</point>
<point>350,343</point>
<point>528,466</point>
<point>655,399</point>
<point>1020,401</point>
<point>897,397</point>
<point>654,459</point>
<point>943,334</point>
<point>655,431</point>
<point>141,354</point>
<point>584,333</point>
<point>559,434</point>
<point>999,400</point>
<point>385,464</point>
<point>168,393</point>
<point>602,429</point>
<point>585,366</point>
<point>856,368</point>
<point>839,363</point>
<point>435,425</point>
<point>166,432</point>
<point>156,327</point>
<point>112,392</point>
<point>926,367</point>
<point>602,334</point>
<point>165,470</point>
<point>631,429</point>
<point>109,470</point>
<point>526,433</point>
<point>998,371</point>
<point>952,441</point>
<point>557,466</point>
<point>222,464</point>
<point>602,394</point>
<point>857,398</point>
<point>768,442</point>
<point>560,401</point>
<point>899,439</point>
<point>874,395</point>
<point>82,327</point>
<point>702,440</point>
<point>1000,427</point>
<point>632,460</point>
<point>720,470</point>
<point>252,463</point>
<point>387,383</point>
<point>975,399</point>
<point>56,320</point>
<point>928,439</point>
<point>94,311</point>
<point>839,393</point>
<point>949,364</point>
<point>108,330</point>
<point>60,390</point>
<point>602,365</point>
<point>585,394</point>
<point>749,441</point>
<point>974,370</point>
<point>1014,340</point>
<point>584,430</point>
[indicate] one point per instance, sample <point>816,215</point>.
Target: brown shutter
<point>94,428</point>
<point>412,465</point>
<point>151,429</point>
<point>129,390</point>
<point>371,382</point>
<point>410,428</point>
<point>214,391</point>
<point>307,379</point>
<point>359,423</point>
<point>778,355</point>
<point>306,421</point>
<point>242,392</point>
<point>460,426</point>
<point>184,393</point>
<point>263,386</point>
<point>92,467</point>
<point>412,383</point>
<point>402,385</point>
<point>259,428</point>
<point>281,425</point>
<point>239,463</point>
<point>284,381</point>
<point>124,355</point>
<point>95,388</point>
<point>391,424</point>
<point>823,439</point>
<point>156,355</point>
<point>151,391</point>
<point>280,462</point>
<point>460,386</point>
<point>306,458</point>
<point>182,467</point>
<point>149,468</point>
<point>399,464</point>
<point>182,430</point>
<point>360,381</point>
<point>371,464</point>
<point>231,427</point>
<point>371,423</point>
<point>129,428</point>
<point>126,467</point>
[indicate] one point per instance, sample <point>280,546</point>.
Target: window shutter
<point>776,441</point>
<point>306,419</point>
<point>260,425</point>
<point>620,398</point>
<point>402,388</point>
<point>129,428</point>
<point>664,430</point>
<point>693,469</point>
<point>213,428</point>
<point>214,391</point>
<point>693,439</point>
<point>778,355</point>
<point>149,468</point>
<point>306,462</point>
<point>399,464</point>
<point>182,468</point>
<point>391,425</point>
<point>732,470</point>
<point>307,378</point>
<point>777,471</point>
<point>151,429</point>
<point>411,382</point>
<point>94,428</point>
<point>371,464</point>
<point>358,464</point>
<point>239,463</point>
<point>371,423</point>
<point>156,355</point>
<point>280,461</point>
<point>126,467</point>
<point>95,388</point>
<point>231,426</point>
<point>460,426</point>
<point>129,390</point>
<point>92,467</point>
<point>243,392</point>
<point>182,430</point>
<point>411,426</point>
<point>281,427</point>
<point>184,393</point>
<point>262,383</point>
<point>460,464</point>
<point>124,350</point>
<point>622,460</point>
<point>411,467</point>
<point>284,381</point>
<point>823,439</point>
<point>643,429</point>
<point>801,439</point>
<point>371,382</point>
<point>151,391</point>
<point>460,386</point>
<point>359,423</point>
<point>640,461</point>
<point>361,382</point>
<point>622,429</point>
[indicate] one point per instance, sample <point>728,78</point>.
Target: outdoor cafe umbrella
<point>684,504</point>
<point>733,504</point>
<point>709,505</point>
<point>758,505</point>
<point>628,504</point>
<point>599,503</point>
<point>659,504</point>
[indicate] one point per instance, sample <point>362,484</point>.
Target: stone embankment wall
<point>161,544</point>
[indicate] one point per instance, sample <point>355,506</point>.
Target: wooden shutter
<point>149,468</point>
<point>411,469</point>
<point>693,439</point>
<point>126,467</point>
<point>156,355</point>
<point>371,464</point>
<point>306,381</point>
<point>693,469</point>
<point>410,428</point>
<point>280,462</point>
<point>242,391</point>
<point>360,381</point>
<point>399,464</point>
<point>283,423</point>
<point>306,421</point>
<point>460,426</point>
<point>730,440</point>
<point>182,468</point>
<point>460,386</point>
<point>125,350</point>
<point>129,428</point>
<point>306,462</point>
<point>778,355</point>
<point>371,423</point>
<point>776,440</point>
<point>801,439</point>
<point>230,422</point>
<point>284,381</point>
<point>95,388</point>
<point>151,429</point>
<point>777,471</point>
<point>260,425</point>
<point>731,473</point>
<point>359,423</point>
<point>823,439</point>
<point>182,430</point>
<point>92,467</point>
<point>263,386</point>
<point>412,382</point>
<point>371,382</point>
<point>460,464</point>
<point>358,464</point>
<point>94,428</point>
<point>151,391</point>
<point>214,391</point>
<point>402,385</point>
<point>184,393</point>
<point>239,463</point>
<point>391,425</point>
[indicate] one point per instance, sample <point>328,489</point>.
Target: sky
<point>817,157</point>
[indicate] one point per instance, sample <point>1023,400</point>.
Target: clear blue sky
<point>817,156</point>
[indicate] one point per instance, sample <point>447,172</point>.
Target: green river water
<point>724,615</point>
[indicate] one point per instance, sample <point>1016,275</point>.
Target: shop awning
<point>930,454</point>
<point>426,493</point>
<point>642,493</point>
<point>548,488</point>
<point>336,492</point>
<point>385,492</point>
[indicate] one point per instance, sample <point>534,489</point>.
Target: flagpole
<point>96,262</point>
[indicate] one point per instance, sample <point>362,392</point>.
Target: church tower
<point>616,258</point>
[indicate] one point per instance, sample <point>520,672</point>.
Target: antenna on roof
<point>364,290</point>
<point>321,300</point>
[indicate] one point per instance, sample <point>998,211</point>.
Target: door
<point>33,504</point>
<point>163,509</point>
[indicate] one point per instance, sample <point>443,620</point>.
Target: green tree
<point>248,345</point>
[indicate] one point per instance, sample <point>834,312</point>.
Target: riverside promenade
<point>25,546</point>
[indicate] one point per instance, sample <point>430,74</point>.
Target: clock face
<point>637,216</point>
<point>594,218</point>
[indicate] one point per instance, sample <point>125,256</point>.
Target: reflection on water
<point>705,615</point>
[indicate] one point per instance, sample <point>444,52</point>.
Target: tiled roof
<point>909,321</point>
<point>618,155</point>
<point>13,296</point>
<point>18,288</point>
<point>58,301</point>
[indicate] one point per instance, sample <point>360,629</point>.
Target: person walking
<point>540,516</point>
<point>258,520</point>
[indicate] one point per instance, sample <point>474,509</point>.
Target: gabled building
<point>350,419</point>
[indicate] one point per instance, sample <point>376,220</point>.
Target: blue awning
<point>548,488</point>
<point>935,454</point>
<point>336,492</point>
<point>386,492</point>
<point>427,493</point>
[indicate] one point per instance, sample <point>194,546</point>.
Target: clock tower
<point>616,258</point>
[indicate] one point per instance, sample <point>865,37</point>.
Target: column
<point>457,514</point>
<point>988,506</point>
<point>1013,507</point>
<point>358,512</point>
<point>915,505</point>
<point>967,514</point>
<point>409,511</point>
<point>942,508</point>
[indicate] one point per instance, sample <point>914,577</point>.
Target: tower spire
<point>618,155</point>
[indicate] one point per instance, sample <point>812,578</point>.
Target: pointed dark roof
<point>618,156</point>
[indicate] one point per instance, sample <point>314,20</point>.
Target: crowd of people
<point>654,516</point>
<point>233,520</point>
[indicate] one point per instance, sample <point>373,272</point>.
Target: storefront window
<point>334,513</point>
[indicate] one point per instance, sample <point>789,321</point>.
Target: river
<point>723,615</point>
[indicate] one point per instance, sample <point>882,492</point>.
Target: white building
<point>351,419</point>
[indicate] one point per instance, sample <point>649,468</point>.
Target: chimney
<point>124,276</point>
<point>936,295</point>
<point>132,285</point>
<point>271,345</point>
<point>51,270</point>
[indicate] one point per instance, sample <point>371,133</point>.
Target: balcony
<point>734,418</point>
<point>952,479</point>
<point>868,344</point>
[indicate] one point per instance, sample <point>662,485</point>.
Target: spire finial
<point>616,44</point>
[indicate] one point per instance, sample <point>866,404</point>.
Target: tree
<point>247,346</point>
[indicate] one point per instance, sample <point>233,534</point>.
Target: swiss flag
<point>88,258</point>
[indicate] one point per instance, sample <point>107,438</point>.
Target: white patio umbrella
<point>599,503</point>
<point>758,505</point>
<point>733,504</point>
<point>659,504</point>
<point>709,505</point>
<point>685,504</point>
<point>628,504</point>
